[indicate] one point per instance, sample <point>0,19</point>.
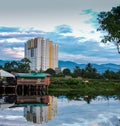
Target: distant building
<point>42,53</point>
<point>60,70</point>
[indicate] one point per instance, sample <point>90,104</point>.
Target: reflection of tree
<point>118,123</point>
<point>87,99</point>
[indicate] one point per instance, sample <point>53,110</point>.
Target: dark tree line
<point>87,72</point>
<point>22,66</point>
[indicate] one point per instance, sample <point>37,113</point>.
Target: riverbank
<point>85,86</point>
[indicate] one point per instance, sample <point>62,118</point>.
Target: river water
<point>100,111</point>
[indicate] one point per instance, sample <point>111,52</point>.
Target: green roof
<point>30,104</point>
<point>31,75</point>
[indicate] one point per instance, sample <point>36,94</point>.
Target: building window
<point>32,52</point>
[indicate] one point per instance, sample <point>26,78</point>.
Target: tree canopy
<point>50,71</point>
<point>66,71</point>
<point>22,66</point>
<point>109,22</point>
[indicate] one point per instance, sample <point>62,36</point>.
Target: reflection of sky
<point>71,113</point>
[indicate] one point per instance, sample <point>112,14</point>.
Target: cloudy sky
<point>70,23</point>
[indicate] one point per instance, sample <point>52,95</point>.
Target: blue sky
<point>70,23</point>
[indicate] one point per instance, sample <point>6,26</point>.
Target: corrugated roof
<point>4,73</point>
<point>31,75</point>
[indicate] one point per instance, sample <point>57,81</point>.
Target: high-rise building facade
<point>42,53</point>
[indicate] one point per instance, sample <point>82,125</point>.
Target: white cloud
<point>79,58</point>
<point>15,53</point>
<point>12,40</point>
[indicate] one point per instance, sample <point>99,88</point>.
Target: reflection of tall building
<point>42,53</point>
<point>42,113</point>
<point>54,108</point>
<point>50,108</point>
<point>36,114</point>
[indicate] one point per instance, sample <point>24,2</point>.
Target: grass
<point>84,85</point>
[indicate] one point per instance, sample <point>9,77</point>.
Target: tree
<point>108,74</point>
<point>90,72</point>
<point>110,23</point>
<point>24,65</point>
<point>7,66</point>
<point>50,71</point>
<point>1,67</point>
<point>111,75</point>
<point>66,71</point>
<point>89,67</point>
<point>14,66</point>
<point>83,72</point>
<point>77,71</point>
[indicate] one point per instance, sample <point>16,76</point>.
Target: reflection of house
<point>33,99</point>
<point>5,105</point>
<point>43,113</point>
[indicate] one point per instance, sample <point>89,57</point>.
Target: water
<point>60,111</point>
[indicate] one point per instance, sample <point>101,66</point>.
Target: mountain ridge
<point>71,65</point>
<point>100,67</point>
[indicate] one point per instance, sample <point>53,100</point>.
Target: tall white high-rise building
<point>42,53</point>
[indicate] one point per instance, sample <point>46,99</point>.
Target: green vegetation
<point>83,81</point>
<point>109,22</point>
<point>88,72</point>
<point>85,89</point>
<point>21,66</point>
<point>85,86</point>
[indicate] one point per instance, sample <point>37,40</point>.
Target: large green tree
<point>50,71</point>
<point>24,65</point>
<point>77,71</point>
<point>90,71</point>
<point>66,71</point>
<point>109,22</point>
<point>18,66</point>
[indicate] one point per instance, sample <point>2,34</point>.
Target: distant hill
<point>71,65</point>
<point>100,68</point>
<point>2,62</point>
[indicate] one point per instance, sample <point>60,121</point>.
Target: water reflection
<point>60,110</point>
<point>37,108</point>
<point>41,113</point>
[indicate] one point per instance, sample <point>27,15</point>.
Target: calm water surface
<point>100,111</point>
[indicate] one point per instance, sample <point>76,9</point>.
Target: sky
<point>72,24</point>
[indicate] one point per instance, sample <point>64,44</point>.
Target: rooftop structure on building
<point>42,53</point>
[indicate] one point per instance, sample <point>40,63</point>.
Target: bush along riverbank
<point>84,85</point>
